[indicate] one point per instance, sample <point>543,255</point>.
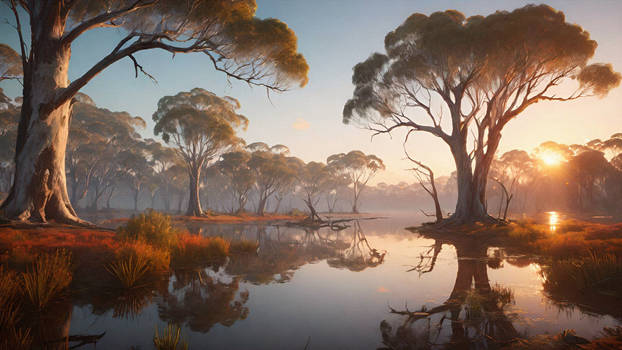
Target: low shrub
<point>152,227</point>
<point>47,277</point>
<point>170,338</point>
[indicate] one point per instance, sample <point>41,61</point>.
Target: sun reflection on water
<point>553,220</point>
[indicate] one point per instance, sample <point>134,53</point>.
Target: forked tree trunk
<point>39,191</point>
<point>471,195</point>
<point>110,194</point>
<point>194,204</point>
<point>261,206</point>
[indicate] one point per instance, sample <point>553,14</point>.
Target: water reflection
<point>203,299</point>
<point>476,314</point>
<point>359,255</point>
<point>553,220</point>
<point>331,286</point>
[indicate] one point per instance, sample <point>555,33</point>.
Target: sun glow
<point>553,220</point>
<point>551,158</point>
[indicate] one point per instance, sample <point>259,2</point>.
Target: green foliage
<point>129,271</point>
<point>48,276</point>
<point>170,338</point>
<point>151,227</point>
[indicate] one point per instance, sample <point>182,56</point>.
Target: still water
<point>336,290</point>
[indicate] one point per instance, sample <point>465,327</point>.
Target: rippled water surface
<point>337,289</point>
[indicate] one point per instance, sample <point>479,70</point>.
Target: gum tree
<point>359,168</point>
<point>463,79</point>
<point>259,51</point>
<point>270,171</point>
<point>201,126</point>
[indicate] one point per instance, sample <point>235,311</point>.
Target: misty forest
<point>264,174</point>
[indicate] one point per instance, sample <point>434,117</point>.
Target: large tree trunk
<point>471,194</point>
<point>109,197</point>
<point>39,191</point>
<point>357,191</point>
<point>194,204</point>
<point>261,206</point>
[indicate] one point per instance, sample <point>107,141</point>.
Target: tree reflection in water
<point>476,312</point>
<point>359,255</point>
<point>203,299</point>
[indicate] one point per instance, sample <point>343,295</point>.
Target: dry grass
<point>158,258</point>
<point>152,227</point>
<point>195,250</point>
<point>596,272</point>
<point>130,271</point>
<point>570,239</point>
<point>48,276</point>
<point>169,338</point>
<point>243,247</point>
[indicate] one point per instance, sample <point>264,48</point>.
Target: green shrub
<point>170,339</point>
<point>152,227</point>
<point>48,276</point>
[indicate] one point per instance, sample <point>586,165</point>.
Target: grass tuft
<point>130,271</point>
<point>170,338</point>
<point>47,277</point>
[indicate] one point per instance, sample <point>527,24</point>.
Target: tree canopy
<point>480,72</point>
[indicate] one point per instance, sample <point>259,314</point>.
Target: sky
<point>334,36</point>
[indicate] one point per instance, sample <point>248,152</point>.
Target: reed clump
<point>47,277</point>
<point>169,338</point>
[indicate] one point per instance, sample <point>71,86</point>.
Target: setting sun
<point>551,158</point>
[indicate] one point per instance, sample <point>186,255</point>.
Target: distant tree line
<point>202,163</point>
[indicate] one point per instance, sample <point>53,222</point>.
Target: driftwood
<point>82,339</point>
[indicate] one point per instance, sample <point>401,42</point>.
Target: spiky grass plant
<point>129,271</point>
<point>170,338</point>
<point>47,277</point>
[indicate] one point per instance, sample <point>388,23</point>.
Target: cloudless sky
<point>334,36</point>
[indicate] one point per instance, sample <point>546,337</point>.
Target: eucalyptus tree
<point>98,135</point>
<point>163,158</point>
<point>312,178</point>
<point>235,166</point>
<point>136,169</point>
<point>258,51</point>
<point>201,126</point>
<point>10,63</point>
<point>9,117</point>
<point>359,168</point>
<point>270,171</point>
<point>513,169</point>
<point>479,73</point>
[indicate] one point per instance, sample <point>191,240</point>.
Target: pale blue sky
<point>334,36</point>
